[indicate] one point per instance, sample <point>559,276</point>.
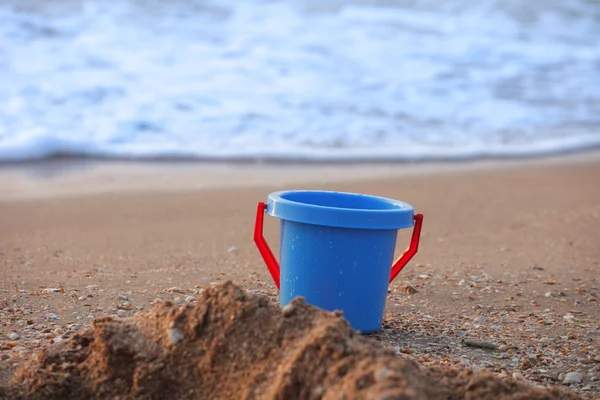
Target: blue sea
<point>298,80</point>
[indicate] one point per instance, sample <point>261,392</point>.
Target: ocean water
<point>311,80</point>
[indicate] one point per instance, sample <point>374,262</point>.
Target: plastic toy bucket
<point>337,250</point>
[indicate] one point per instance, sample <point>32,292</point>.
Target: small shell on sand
<point>288,310</point>
<point>175,335</point>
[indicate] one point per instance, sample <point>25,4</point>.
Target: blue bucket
<point>337,250</point>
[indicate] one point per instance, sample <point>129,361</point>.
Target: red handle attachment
<point>412,249</point>
<point>263,247</point>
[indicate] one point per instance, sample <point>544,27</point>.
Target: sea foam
<point>299,80</point>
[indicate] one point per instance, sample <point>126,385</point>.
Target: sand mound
<point>234,345</point>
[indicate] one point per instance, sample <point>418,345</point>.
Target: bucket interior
<point>348,201</point>
<point>340,209</point>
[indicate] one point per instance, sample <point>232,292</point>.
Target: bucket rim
<point>398,215</point>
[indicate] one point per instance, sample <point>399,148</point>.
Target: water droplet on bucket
<point>339,294</point>
<point>341,272</point>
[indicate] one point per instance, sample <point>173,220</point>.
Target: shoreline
<point>67,158</point>
<point>69,177</point>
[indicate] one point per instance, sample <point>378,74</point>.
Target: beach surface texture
<point>142,281</point>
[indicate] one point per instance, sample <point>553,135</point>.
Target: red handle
<point>412,249</point>
<point>263,247</point>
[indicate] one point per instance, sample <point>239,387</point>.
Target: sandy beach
<point>509,255</point>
